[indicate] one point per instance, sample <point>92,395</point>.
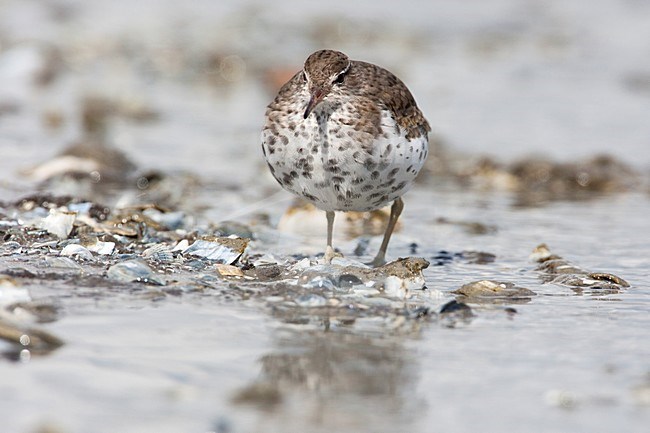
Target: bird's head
<point>324,70</point>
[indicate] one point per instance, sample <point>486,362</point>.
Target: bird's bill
<point>316,96</point>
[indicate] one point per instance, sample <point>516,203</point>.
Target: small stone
<point>134,270</point>
<point>267,272</point>
<point>347,281</point>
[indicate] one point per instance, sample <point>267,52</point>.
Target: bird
<point>345,135</point>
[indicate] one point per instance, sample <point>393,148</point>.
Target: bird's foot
<point>378,261</point>
<point>330,254</point>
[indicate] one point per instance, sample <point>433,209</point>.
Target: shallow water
<point>565,361</point>
<point>491,81</point>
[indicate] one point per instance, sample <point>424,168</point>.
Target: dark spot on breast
<point>287,178</point>
<point>369,164</point>
<point>388,183</point>
<point>374,175</point>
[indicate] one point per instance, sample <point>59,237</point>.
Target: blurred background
<point>184,85</point>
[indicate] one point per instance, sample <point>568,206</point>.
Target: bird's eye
<point>339,78</point>
<point>303,76</point>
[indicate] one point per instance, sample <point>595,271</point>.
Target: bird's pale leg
<point>395,212</point>
<point>329,251</point>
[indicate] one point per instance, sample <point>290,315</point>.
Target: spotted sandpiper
<point>345,135</point>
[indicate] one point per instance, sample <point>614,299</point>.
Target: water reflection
<point>335,381</point>
<point>25,343</point>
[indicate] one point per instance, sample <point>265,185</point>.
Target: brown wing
<point>377,83</point>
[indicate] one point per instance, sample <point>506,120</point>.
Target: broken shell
<point>59,223</point>
<point>558,270</point>
<point>181,245</point>
<point>229,270</point>
<point>159,252</point>
<point>100,247</point>
<point>222,250</point>
<point>493,289</point>
<point>610,278</point>
<point>78,251</point>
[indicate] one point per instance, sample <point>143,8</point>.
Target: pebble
<point>134,270</point>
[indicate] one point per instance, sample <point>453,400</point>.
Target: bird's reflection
<point>335,380</point>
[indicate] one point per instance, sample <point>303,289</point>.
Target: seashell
<point>493,289</point>
<point>72,250</point>
<point>229,270</point>
<point>181,245</point>
<point>222,250</point>
<point>59,223</point>
<point>159,252</point>
<point>102,248</point>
